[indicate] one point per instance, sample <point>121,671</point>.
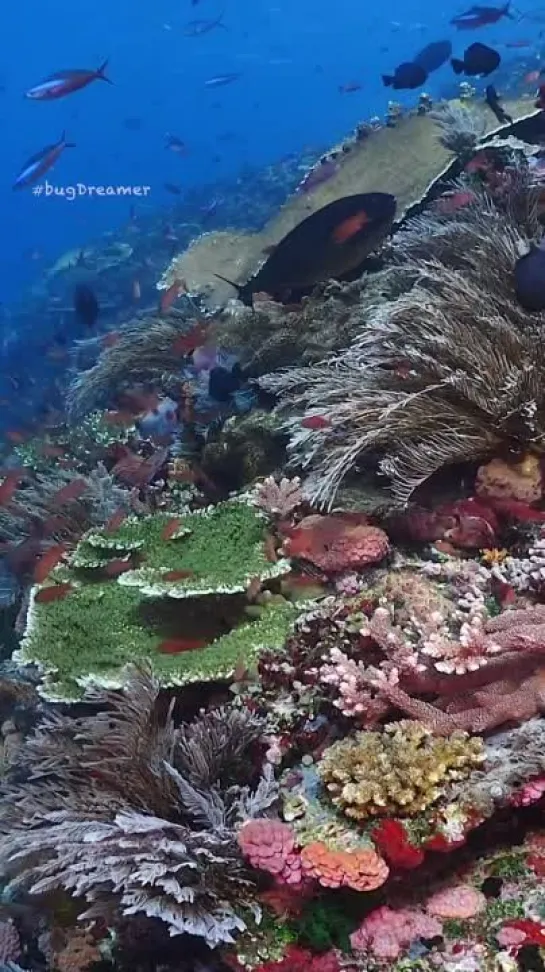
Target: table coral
<point>403,770</point>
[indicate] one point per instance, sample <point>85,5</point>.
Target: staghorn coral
<point>145,352</point>
<point>451,371</point>
<point>404,770</point>
<point>109,814</point>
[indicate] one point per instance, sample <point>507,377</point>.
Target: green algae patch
<point>195,629</point>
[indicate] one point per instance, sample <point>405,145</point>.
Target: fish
<point>40,163</point>
<point>481,17</point>
<point>117,567</point>
<point>434,55</point>
<point>223,382</point>
<point>309,253</point>
<point>349,87</point>
<point>66,82</point>
<point>493,102</point>
<point>45,564</point>
<point>56,592</point>
<point>406,76</point>
<point>86,305</point>
<point>9,487</point>
<point>69,493</point>
<point>220,79</point>
<point>171,529</point>
<point>175,646</point>
<point>518,44</point>
<point>176,575</point>
<point>532,77</point>
<point>529,278</point>
<point>115,521</point>
<point>478,59</point>
<point>315,422</point>
<point>196,28</point>
<point>175,144</point>
<point>452,202</point>
<point>170,296</point>
<point>188,342</point>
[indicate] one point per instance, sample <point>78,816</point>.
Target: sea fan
<point>451,371</point>
<point>460,127</point>
<point>124,808</point>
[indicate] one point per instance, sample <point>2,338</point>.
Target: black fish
<point>85,305</point>
<point>530,279</point>
<point>478,60</point>
<point>406,76</point>
<point>223,382</point>
<point>332,242</point>
<point>493,102</point>
<point>433,56</point>
<point>481,17</point>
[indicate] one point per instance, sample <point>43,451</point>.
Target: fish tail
<point>457,65</point>
<point>387,79</point>
<point>100,72</point>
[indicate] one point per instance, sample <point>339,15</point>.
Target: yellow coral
<point>402,770</point>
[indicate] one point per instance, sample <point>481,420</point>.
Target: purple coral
<point>386,932</point>
<point>269,846</point>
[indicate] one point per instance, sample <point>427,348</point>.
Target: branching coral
<point>278,499</point>
<point>451,371</point>
<point>117,811</point>
<point>403,770</point>
<point>145,352</point>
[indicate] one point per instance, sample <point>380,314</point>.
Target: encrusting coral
<point>127,812</point>
<point>402,770</point>
<point>452,371</point>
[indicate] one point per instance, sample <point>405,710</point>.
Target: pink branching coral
<point>269,845</point>
<point>386,932</point>
<point>337,543</point>
<point>460,901</point>
<point>362,870</point>
<point>279,499</point>
<point>531,792</point>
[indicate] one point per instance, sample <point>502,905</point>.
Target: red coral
<point>441,845</point>
<point>534,932</point>
<point>299,959</point>
<point>531,792</point>
<point>269,846</point>
<point>337,543</point>
<point>391,839</point>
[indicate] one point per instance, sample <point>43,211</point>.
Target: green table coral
<point>193,630</point>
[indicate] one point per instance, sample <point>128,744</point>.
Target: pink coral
<point>460,901</point>
<point>386,932</point>
<point>337,543</point>
<point>510,937</point>
<point>531,792</point>
<point>269,846</point>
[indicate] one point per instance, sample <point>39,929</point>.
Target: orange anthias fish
<point>186,343</point>
<point>117,567</point>
<point>170,530</point>
<point>54,593</point>
<point>69,493</point>
<point>349,227</point>
<point>176,575</point>
<point>48,561</point>
<point>8,487</point>
<point>168,297</point>
<point>175,646</point>
<point>315,422</point>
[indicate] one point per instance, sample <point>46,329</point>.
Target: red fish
<point>110,340</point>
<point>176,646</point>
<point>36,167</point>
<point>55,593</point>
<point>48,561</point>
<point>532,77</point>
<point>171,528</point>
<point>115,521</point>
<point>117,567</point>
<point>8,487</point>
<point>69,493</point>
<point>315,422</point>
<point>118,417</point>
<point>16,437</point>
<point>349,227</point>
<point>168,297</point>
<point>65,82</point>
<point>187,343</point>
<point>176,575</point>
<point>454,201</point>
<point>49,451</point>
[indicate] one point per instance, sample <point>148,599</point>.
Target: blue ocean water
<point>291,55</point>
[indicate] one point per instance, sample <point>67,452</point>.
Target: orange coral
<point>499,480</point>
<point>362,869</point>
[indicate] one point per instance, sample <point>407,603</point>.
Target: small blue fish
<point>39,164</point>
<point>221,79</point>
<point>196,28</point>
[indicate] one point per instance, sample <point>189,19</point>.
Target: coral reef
<point>412,387</point>
<point>402,770</point>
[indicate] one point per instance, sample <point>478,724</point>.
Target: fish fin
<point>99,73</point>
<point>457,65</point>
<point>387,79</point>
<point>242,289</point>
